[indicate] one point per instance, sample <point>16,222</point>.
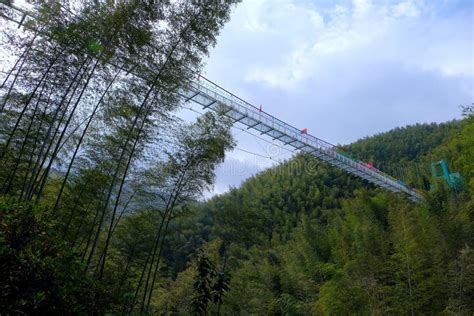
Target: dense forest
<point>101,186</point>
<point>306,239</point>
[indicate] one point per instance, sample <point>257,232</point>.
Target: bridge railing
<point>324,148</point>
<point>261,114</point>
<point>270,120</point>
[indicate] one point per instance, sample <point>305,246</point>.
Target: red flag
<point>304,131</point>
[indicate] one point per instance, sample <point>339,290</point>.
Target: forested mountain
<point>304,239</point>
<point>101,185</point>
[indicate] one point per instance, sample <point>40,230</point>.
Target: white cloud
<point>297,39</point>
<point>405,9</point>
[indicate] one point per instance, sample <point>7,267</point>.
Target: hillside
<point>303,238</point>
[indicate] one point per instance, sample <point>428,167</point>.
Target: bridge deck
<point>211,96</point>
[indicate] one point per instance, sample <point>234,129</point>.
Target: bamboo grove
<point>89,134</point>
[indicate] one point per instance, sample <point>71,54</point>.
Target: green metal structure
<point>440,170</point>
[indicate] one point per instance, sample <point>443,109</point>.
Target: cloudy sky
<point>343,69</point>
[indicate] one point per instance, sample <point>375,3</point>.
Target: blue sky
<point>343,69</point>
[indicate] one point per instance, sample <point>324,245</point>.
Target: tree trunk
<point>22,58</point>
<point>17,123</point>
<point>30,161</point>
<point>56,149</point>
<point>23,145</point>
<point>38,165</point>
<point>170,212</point>
<point>91,117</point>
<point>169,205</point>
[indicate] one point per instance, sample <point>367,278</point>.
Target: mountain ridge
<point>297,242</point>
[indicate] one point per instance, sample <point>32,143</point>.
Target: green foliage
<point>340,297</point>
<point>406,143</point>
<point>321,243</point>
<point>87,119</point>
<point>209,285</point>
<point>461,284</point>
<point>417,262</point>
<point>39,273</point>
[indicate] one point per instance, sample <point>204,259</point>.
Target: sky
<point>343,69</point>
